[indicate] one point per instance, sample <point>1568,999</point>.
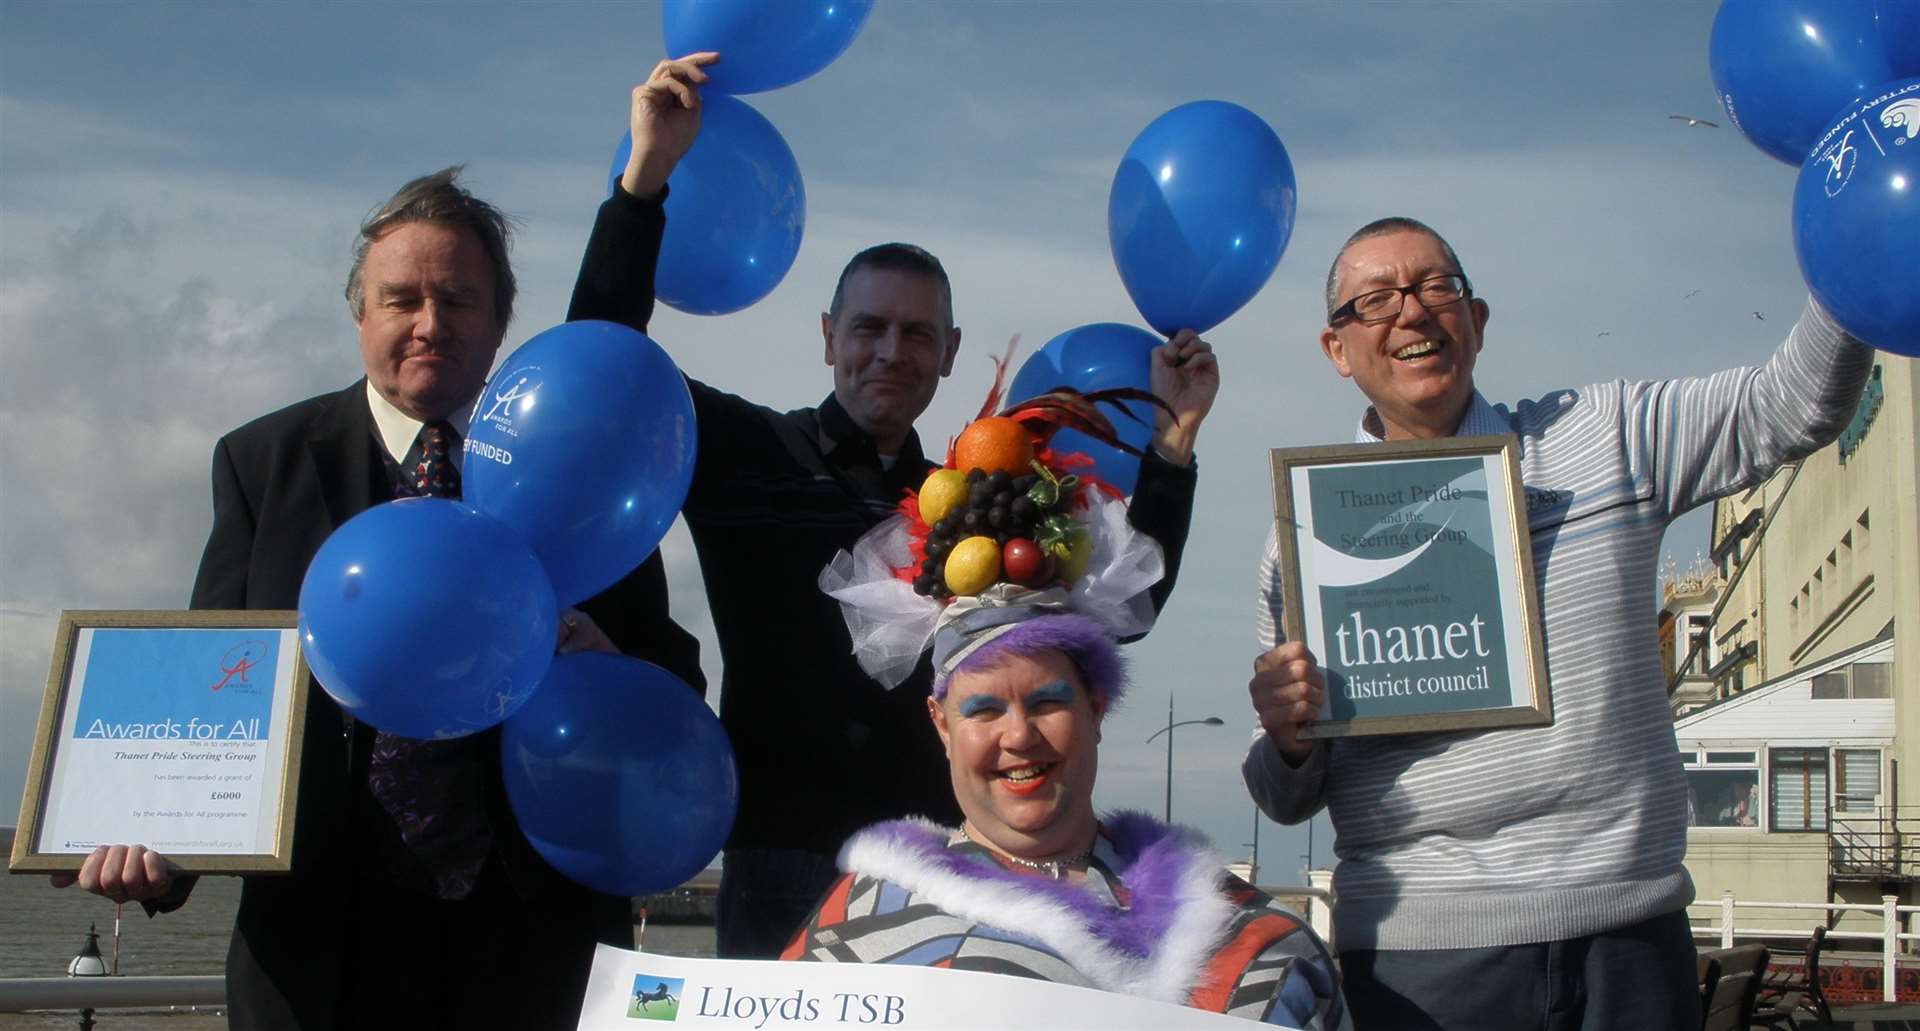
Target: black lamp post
<point>1211,721</point>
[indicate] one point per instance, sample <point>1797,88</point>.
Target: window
<point>1831,684</point>
<point>1856,781</point>
<point>1699,630</point>
<point>1723,791</point>
<point>1798,789</point>
<point>1859,680</point>
<point>1872,679</point>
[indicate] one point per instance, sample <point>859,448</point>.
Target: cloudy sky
<point>179,184</point>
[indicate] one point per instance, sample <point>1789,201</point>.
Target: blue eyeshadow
<point>1058,691</point>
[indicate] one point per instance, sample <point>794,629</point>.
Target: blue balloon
<point>620,775</point>
<point>736,209</point>
<point>763,44</point>
<point>426,618</point>
<point>1856,218</point>
<point>1100,356</point>
<point>1782,67</point>
<point>584,442</point>
<point>1900,32</point>
<point>1200,211</point>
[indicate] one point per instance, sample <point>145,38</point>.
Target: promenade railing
<point>1890,936</point>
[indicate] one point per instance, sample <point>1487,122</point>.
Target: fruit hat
<point>1006,524</point>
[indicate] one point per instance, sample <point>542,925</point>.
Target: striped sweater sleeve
<point>1286,793</point>
<point>1705,437</point>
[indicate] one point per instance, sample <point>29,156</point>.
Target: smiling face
<point>428,325</point>
<point>1021,737</point>
<point>890,341</point>
<point>1416,368</point>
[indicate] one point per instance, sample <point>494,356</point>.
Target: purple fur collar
<point>1157,864</point>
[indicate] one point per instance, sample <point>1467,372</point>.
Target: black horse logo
<point>659,994</point>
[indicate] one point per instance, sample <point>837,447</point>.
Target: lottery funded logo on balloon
<point>1902,114</point>
<point>1856,218</point>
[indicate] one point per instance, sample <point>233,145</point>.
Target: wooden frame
<point>1481,552</point>
<point>186,745</point>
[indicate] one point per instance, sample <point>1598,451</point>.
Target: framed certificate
<point>1407,568</point>
<point>175,730</point>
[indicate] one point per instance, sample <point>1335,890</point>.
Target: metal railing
<point>19,994</point>
<point>1873,844</point>
<point>1893,917</point>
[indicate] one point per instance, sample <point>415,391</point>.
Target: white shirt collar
<point>397,429</point>
<point>1480,419</point>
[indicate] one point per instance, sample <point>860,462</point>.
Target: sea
<point>42,928</point>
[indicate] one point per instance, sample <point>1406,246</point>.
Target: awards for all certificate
<point>173,730</point>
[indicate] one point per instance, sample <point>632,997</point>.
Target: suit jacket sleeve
<point>633,613</point>
<point>222,580</point>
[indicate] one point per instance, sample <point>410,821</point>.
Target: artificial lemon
<point>973,565</point>
<point>944,489</point>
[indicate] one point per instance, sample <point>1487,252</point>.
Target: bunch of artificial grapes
<point>997,507</point>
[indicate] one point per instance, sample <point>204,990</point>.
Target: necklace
<point>1054,868</point>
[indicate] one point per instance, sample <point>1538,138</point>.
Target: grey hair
<point>1381,227</point>
<point>440,200</point>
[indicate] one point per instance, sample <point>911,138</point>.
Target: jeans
<point>1641,977</point>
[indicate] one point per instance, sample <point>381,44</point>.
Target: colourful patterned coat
<point>1158,916</point>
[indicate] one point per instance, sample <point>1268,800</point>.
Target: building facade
<point>1798,715</point>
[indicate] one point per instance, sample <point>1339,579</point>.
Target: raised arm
<point>1705,437</point>
<point>616,273</point>
<point>1184,374</point>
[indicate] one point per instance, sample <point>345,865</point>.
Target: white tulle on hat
<point>892,626</point>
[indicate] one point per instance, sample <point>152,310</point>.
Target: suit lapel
<point>341,444</point>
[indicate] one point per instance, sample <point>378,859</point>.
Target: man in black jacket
<point>414,899</point>
<point>823,749</point>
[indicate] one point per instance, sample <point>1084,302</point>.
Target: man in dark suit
<point>414,899</point>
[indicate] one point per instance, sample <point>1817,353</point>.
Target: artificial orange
<point>973,565</point>
<point>994,444</point>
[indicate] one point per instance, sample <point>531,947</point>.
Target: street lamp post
<point>1253,868</point>
<point>1211,721</point>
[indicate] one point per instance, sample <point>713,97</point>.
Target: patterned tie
<point>435,475</point>
<point>431,789</point>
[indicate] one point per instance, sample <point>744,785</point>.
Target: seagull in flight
<point>1759,316</point>
<point>1691,121</point>
<point>1690,293</point>
<point>1606,333</point>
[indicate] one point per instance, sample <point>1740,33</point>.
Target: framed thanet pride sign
<point>1407,569</point>
<point>179,731</point>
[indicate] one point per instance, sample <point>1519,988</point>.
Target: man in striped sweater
<point>1529,878</point>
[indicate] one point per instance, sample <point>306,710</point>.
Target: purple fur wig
<point>1077,637</point>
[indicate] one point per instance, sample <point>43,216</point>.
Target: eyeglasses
<point>1376,306</point>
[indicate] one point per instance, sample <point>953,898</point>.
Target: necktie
<point>434,474</point>
<point>432,789</point>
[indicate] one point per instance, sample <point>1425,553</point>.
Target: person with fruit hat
<point>776,494</point>
<point>1544,864</point>
<point>1032,881</point>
